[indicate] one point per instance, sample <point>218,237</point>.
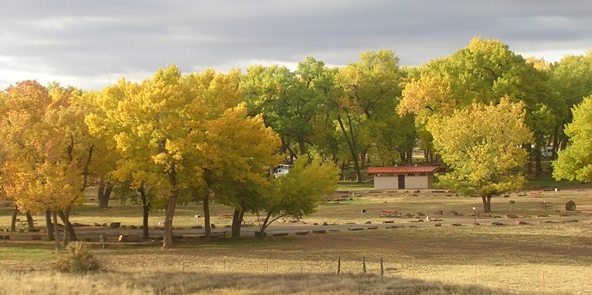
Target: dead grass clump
<point>78,259</point>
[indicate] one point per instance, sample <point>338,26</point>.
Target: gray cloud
<point>88,43</point>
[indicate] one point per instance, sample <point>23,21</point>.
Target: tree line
<point>193,137</point>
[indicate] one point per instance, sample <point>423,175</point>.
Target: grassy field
<point>548,256</point>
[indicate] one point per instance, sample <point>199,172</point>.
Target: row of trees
<point>173,138</point>
<point>176,138</point>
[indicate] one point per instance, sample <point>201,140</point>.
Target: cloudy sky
<point>89,44</point>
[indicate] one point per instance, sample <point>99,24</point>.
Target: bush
<point>77,260</point>
<point>570,205</point>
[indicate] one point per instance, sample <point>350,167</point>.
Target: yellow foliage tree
<point>482,144</point>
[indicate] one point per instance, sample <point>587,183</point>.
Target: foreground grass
<point>537,258</point>
<point>228,283</point>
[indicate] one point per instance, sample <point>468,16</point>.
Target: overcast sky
<point>89,44</point>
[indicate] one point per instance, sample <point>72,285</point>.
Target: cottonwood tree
<point>570,82</point>
<point>575,162</point>
<point>47,152</point>
<point>149,126</point>
<point>239,151</point>
<point>484,71</point>
<point>482,144</point>
<point>369,91</point>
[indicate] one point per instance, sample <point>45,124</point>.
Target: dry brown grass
<point>537,258</point>
<point>227,283</point>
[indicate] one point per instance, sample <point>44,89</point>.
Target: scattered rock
<point>133,227</point>
<point>521,222</point>
<point>570,220</point>
<point>97,224</point>
<point>388,221</point>
<point>319,231</point>
<point>355,228</point>
<point>197,227</point>
<point>373,227</point>
<point>413,226</point>
<point>303,233</point>
<point>570,205</point>
<point>115,224</point>
<point>280,234</point>
<point>368,222</point>
<point>438,224</point>
<point>497,223</point>
<point>438,212</point>
<point>333,230</point>
<point>316,223</point>
<point>549,221</point>
<point>453,213</point>
<point>512,202</point>
<point>420,214</point>
<point>542,215</point>
<point>456,224</point>
<point>76,224</point>
<point>416,192</point>
<point>511,216</point>
<point>122,238</point>
<point>496,216</point>
<point>408,215</point>
<point>392,226</point>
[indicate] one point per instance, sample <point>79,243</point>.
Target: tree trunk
<point>145,213</point>
<point>30,221</point>
<point>104,194</point>
<point>56,231</point>
<point>351,143</point>
<point>363,155</point>
<point>237,220</point>
<point>486,203</point>
<point>69,234</point>
<point>167,240</point>
<point>555,144</point>
<point>13,220</point>
<point>301,146</point>
<point>49,226</point>
<point>206,211</point>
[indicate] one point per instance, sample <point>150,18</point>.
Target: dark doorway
<point>401,181</point>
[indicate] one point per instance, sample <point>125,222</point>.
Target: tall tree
<point>482,146</point>
<point>149,125</point>
<point>575,162</point>
<point>370,90</point>
<point>46,148</point>
<point>484,71</point>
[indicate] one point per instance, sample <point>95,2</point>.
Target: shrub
<point>570,205</point>
<point>78,259</point>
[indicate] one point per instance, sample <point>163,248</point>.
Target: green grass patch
<point>30,253</point>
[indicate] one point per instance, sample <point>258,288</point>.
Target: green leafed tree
<point>575,162</point>
<point>482,145</point>
<point>299,192</point>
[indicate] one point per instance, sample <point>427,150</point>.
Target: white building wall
<point>417,181</point>
<point>386,182</point>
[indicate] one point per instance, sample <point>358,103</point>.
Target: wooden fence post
<point>364,264</point>
<point>381,267</point>
<point>339,265</point>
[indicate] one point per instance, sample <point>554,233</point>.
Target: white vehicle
<point>281,170</point>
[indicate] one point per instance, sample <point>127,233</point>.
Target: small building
<point>403,177</point>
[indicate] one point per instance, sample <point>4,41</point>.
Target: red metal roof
<point>402,169</point>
